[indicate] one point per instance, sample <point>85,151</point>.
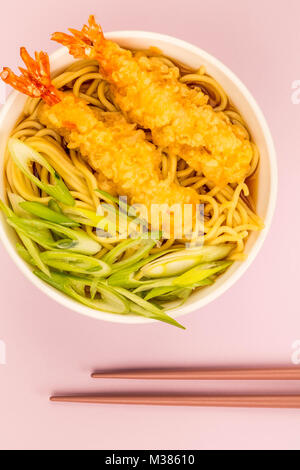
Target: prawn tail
<point>84,44</point>
<point>35,80</point>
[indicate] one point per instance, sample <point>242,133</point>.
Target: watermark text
<point>296,92</point>
<point>159,221</point>
<point>2,353</point>
<point>296,353</point>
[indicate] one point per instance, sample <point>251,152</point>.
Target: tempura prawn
<point>112,146</point>
<point>150,94</point>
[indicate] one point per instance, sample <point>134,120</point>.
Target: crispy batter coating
<point>180,119</point>
<point>118,150</point>
<point>150,94</point>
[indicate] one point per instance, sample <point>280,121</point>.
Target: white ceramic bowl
<point>243,100</point>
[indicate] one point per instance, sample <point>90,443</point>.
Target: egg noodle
<point>228,212</point>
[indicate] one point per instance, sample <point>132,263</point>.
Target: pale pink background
<point>50,349</point>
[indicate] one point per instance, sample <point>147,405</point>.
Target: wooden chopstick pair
<point>242,401</point>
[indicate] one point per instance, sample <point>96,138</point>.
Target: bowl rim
<point>226,285</point>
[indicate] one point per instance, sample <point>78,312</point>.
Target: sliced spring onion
<point>32,248</point>
<point>80,243</point>
<point>43,212</point>
<point>168,282</point>
<point>59,281</point>
<point>147,306</point>
<point>77,241</point>
<point>54,206</point>
<point>142,249</point>
<point>118,303</point>
<point>105,218</point>
<point>208,281</point>
<point>111,303</point>
<point>112,256</point>
<point>170,294</point>
<point>32,229</point>
<point>126,277</point>
<point>23,253</point>
<point>163,317</point>
<point>73,262</point>
<point>181,261</point>
<point>93,288</point>
<point>15,201</point>
<point>80,285</point>
<point>197,277</point>
<point>31,254</point>
<point>23,155</point>
<point>180,297</point>
<point>6,210</point>
<point>201,272</point>
<point>31,258</point>
<point>39,231</point>
<point>110,300</point>
<point>92,219</point>
<point>108,197</point>
<point>162,291</point>
<point>34,253</point>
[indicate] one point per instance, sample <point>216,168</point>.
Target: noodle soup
<point>230,217</point>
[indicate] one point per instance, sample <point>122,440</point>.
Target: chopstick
<point>260,401</point>
<point>227,401</point>
<point>202,374</point>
